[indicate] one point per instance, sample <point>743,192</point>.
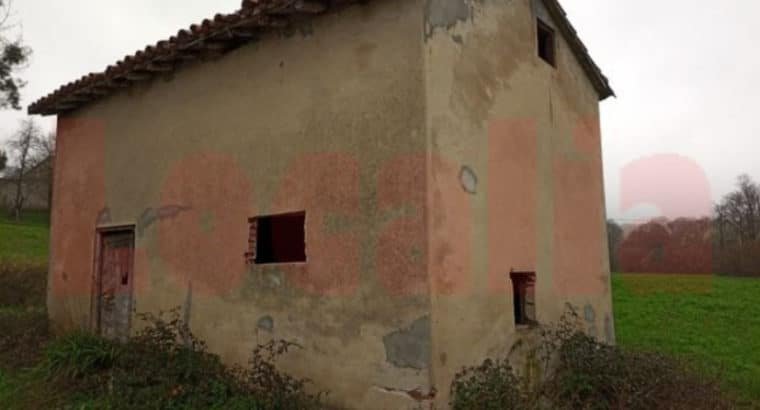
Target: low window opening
<point>546,43</point>
<point>524,297</point>
<point>278,239</point>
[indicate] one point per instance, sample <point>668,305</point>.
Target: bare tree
<point>3,160</point>
<point>750,192</point>
<point>614,238</point>
<point>737,225</point>
<point>720,225</point>
<point>738,214</point>
<point>45,145</point>
<point>44,148</point>
<point>24,145</point>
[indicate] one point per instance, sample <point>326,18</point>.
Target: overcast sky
<point>685,72</point>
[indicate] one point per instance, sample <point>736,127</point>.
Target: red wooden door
<point>115,280</point>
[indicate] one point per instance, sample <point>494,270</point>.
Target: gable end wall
<point>515,183</point>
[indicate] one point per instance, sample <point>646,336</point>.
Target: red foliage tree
<point>679,246</point>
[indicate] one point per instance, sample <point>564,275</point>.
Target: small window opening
<point>524,296</point>
<point>278,239</point>
<point>546,43</point>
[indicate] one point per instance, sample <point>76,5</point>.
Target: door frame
<point>97,275</point>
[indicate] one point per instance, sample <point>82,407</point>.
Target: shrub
<point>583,373</point>
<point>275,389</point>
<point>492,385</point>
<point>591,375</point>
<point>165,366</point>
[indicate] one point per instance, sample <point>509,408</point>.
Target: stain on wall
<point>79,201</point>
<point>579,216</point>
<point>210,185</point>
<point>512,200</point>
<point>325,185</point>
<point>401,252</point>
<point>469,180</point>
<point>410,347</point>
<point>152,215</point>
<point>483,67</point>
<point>445,14</point>
<point>104,217</point>
<point>265,323</point>
<point>609,329</point>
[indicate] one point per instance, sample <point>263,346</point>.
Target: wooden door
<point>115,283</point>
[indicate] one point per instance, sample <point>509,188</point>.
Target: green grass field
<point>25,241</point>
<point>713,321</point>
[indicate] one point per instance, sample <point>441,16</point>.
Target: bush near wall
<point>583,373</point>
<point>163,367</point>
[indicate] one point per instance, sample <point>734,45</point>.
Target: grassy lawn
<point>25,241</point>
<point>715,321</point>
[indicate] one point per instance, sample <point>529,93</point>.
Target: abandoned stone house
<point>401,187</point>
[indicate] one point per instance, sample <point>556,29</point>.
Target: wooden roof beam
<point>310,6</point>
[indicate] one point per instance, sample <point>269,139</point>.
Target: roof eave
<point>226,32</point>
<point>598,79</point>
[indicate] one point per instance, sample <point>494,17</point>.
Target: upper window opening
<point>524,297</point>
<point>279,238</point>
<point>546,43</point>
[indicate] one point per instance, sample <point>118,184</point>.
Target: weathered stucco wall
<point>515,182</point>
<point>328,119</point>
<point>432,151</point>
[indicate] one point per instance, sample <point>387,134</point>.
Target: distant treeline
<point>727,242</point>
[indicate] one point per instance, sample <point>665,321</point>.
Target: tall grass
<point>79,354</point>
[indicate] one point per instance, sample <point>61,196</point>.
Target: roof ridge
<point>224,32</point>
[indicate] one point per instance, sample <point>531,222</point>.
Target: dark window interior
<point>281,238</point>
<point>523,287</point>
<point>546,43</point>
